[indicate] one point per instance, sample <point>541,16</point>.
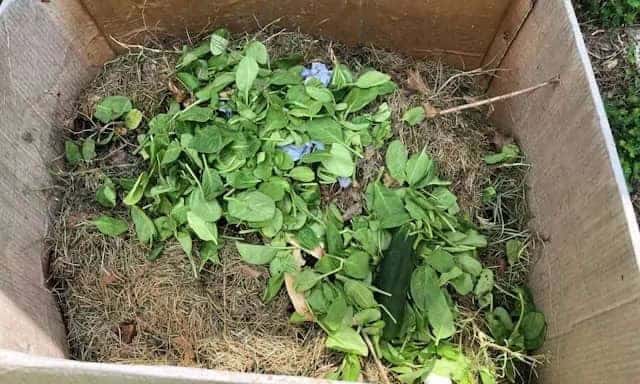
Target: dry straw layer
<point>121,308</point>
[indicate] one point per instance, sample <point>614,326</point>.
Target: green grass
<point>610,13</point>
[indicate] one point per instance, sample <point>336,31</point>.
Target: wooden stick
<point>381,368</point>
<point>433,112</point>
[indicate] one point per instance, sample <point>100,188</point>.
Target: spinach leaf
<point>88,149</point>
<point>371,79</point>
<point>218,44</point>
<point>205,231</point>
<point>132,119</point>
<point>257,51</point>
<point>414,116</point>
<point>112,107</point>
<point>325,130</point>
<point>110,226</point>
<point>251,206</point>
<point>347,340</point>
<point>145,229</point>
<point>396,160</point>
<point>256,254</point>
<point>387,206</point>
<point>72,152</point>
<point>245,75</point>
<point>106,195</point>
<point>429,299</point>
<point>340,163</point>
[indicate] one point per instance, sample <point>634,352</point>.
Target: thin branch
<point>381,368</point>
<point>432,112</point>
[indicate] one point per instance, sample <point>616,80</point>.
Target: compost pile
<point>279,204</point>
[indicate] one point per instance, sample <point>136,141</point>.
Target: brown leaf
<point>126,330</point>
<point>185,346</point>
<point>177,91</point>
<point>416,83</point>
<point>108,277</point>
<point>429,110</point>
<point>247,270</point>
<point>297,298</point>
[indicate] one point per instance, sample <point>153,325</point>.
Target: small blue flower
<point>318,71</point>
<point>297,151</point>
<point>345,182</point>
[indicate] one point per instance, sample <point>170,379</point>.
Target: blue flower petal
<point>345,182</point>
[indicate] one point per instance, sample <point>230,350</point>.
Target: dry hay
<point>118,307</point>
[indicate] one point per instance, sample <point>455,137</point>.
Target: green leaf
<point>252,206</point>
<point>193,55</point>
<point>429,298</point>
<point>336,314</point>
<point>88,149</point>
<point>321,94</point>
<point>208,210</point>
<point>486,376</point>
<point>208,140</point>
<point>325,130</point>
<point>414,116</point>
<point>189,81</point>
<point>72,152</point>
<point>106,196</point>
<point>419,166</point>
<point>367,316</point>
<point>307,238</point>
<point>334,238</point>
<point>303,174</point>
<point>469,264</point>
<point>132,119</point>
<point>485,282</point>
<point>357,265</point>
<point>144,226</point>
<point>172,153</point>
<point>514,249</point>
<point>387,206</point>
<point>205,231</point>
<point>358,98</point>
<point>136,193</point>
<point>212,185</point>
<point>274,188</point>
<point>371,79</point>
<point>508,153</point>
<point>256,254</point>
<point>245,75</point>
<point>258,51</point>
<point>196,113</point>
<point>342,76</point>
<point>533,329</point>
<point>155,252</point>
<point>463,284</point>
<point>360,294</point>
<point>273,287</point>
<point>184,238</point>
<point>307,279</point>
<point>165,226</point>
<point>110,226</point>
<point>340,163</point>
<point>347,340</point>
<point>350,369</point>
<point>396,160</point>
<point>218,44</point>
<point>112,107</point>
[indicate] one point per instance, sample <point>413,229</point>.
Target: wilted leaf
<point>414,116</point>
<point>112,107</point>
<point>133,119</point>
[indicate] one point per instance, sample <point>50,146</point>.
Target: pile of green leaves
<point>219,159</point>
<point>611,13</point>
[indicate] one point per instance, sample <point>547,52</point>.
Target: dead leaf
<point>177,91</point>
<point>108,277</point>
<point>120,130</point>
<point>429,110</point>
<point>185,346</point>
<point>610,64</point>
<point>297,298</point>
<point>126,330</point>
<point>118,157</point>
<point>416,83</point>
<point>247,270</point>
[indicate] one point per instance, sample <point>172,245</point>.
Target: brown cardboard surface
<point>587,281</point>
<point>47,55</point>
<point>458,31</point>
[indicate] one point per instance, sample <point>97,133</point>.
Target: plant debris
<point>245,172</point>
